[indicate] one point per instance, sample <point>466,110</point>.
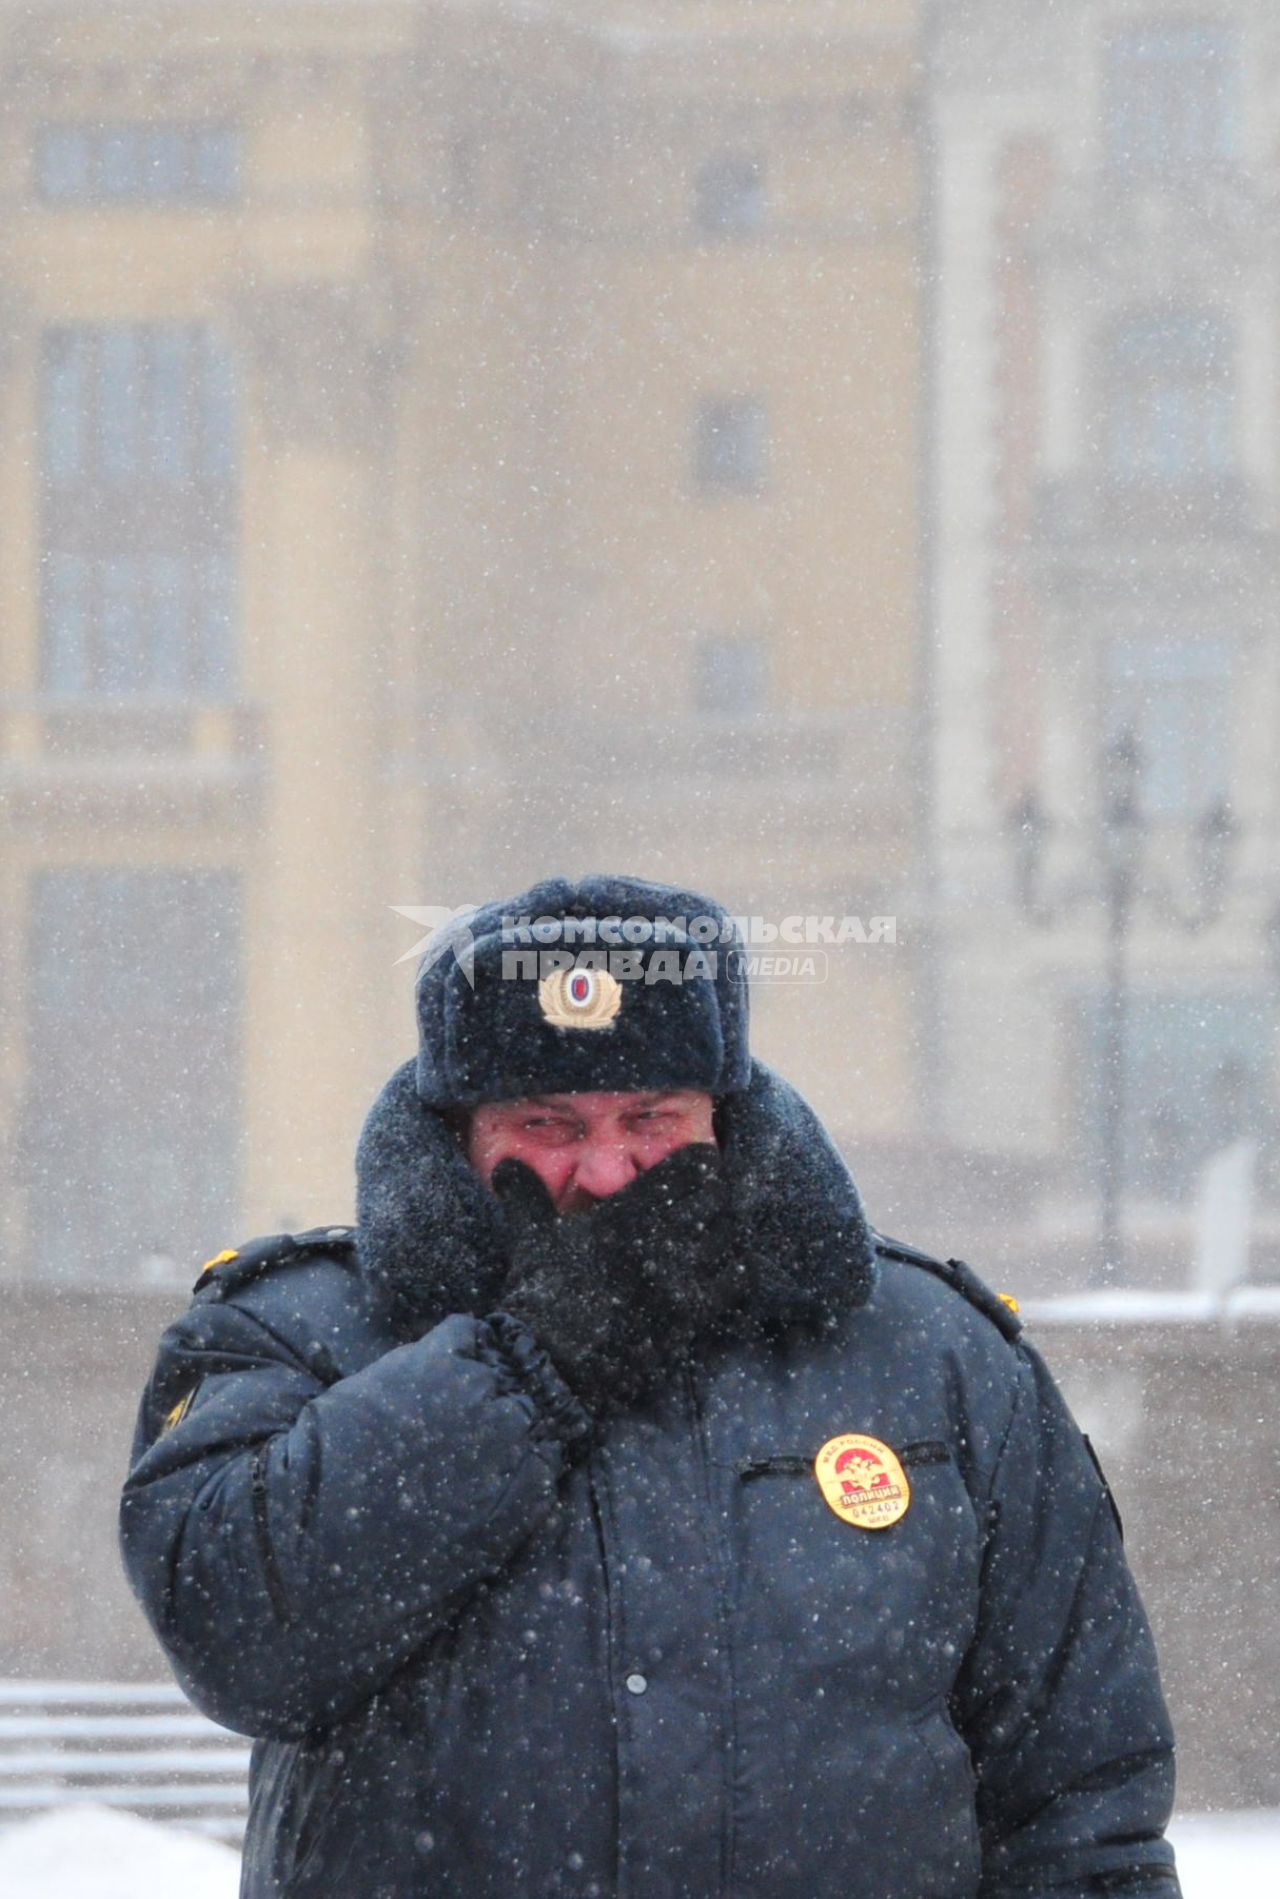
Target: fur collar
<point>431,1238</point>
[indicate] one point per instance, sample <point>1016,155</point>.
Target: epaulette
<point>1000,1307</point>
<point>227,1271</point>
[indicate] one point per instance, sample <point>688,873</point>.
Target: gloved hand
<point>617,1294</point>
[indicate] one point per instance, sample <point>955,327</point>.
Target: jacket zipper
<point>262,1531</point>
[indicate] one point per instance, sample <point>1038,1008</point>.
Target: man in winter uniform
<point>614,1511</point>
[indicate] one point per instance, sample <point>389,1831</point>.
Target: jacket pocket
<point>927,1451</point>
<point>793,1464</point>
<point>806,1581</point>
<point>310,1816</point>
<point>787,1466</point>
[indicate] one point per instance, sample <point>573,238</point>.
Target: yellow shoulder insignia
<point>219,1259</point>
<point>1007,1299</point>
<point>178,1412</point>
<point>236,1266</point>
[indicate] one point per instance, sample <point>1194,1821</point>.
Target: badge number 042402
<point>862,1481</point>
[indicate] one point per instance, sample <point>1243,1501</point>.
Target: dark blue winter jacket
<point>487,1654</point>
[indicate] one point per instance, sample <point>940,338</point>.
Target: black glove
<point>618,1294</point>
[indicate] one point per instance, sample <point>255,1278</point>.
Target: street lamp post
<point>1122,846</point>
<point>1123,830</point>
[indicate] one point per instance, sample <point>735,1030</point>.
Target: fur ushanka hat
<point>432,1239</point>
<point>606,984</point>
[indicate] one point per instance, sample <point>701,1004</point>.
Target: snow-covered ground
<point>92,1853</point>
<point>97,1853</point>
<point>1229,1855</point>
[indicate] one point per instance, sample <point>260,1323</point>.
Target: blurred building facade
<point>448,445</point>
<point>1105,494</point>
<point>442,447</point>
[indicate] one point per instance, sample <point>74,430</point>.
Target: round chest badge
<point>580,998</point>
<point>862,1480</point>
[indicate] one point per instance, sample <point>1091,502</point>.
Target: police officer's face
<point>584,1147</point>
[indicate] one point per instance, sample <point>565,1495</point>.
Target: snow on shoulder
<point>89,1852</point>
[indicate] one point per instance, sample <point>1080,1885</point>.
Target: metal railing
<point>140,1747</point>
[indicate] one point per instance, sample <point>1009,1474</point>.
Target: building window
<point>730,675</point>
<point>138,164</point>
<point>1196,1079</point>
<point>1168,395</point>
<point>729,196</point>
<point>1172,100</point>
<point>1175,696</point>
<point>732,447</point>
<point>139,502</point>
<point>133,1059</point>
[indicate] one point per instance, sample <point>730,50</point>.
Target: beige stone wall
<point>1181,1415</point>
